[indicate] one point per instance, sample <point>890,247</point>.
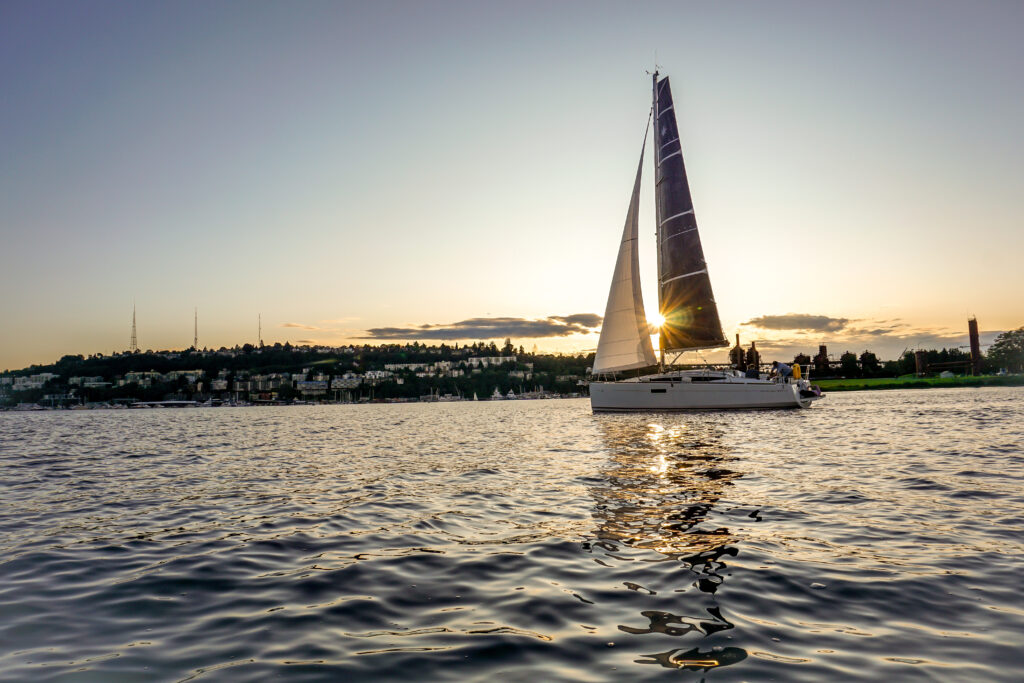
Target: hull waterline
<point>662,396</point>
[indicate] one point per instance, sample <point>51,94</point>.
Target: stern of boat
<point>805,393</point>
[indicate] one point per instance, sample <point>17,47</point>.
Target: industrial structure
<point>823,365</point>
<point>971,366</point>
<point>972,331</point>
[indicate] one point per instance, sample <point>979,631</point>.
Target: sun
<point>656,319</point>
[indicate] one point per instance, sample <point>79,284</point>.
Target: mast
<point>685,298</point>
<point>657,222</point>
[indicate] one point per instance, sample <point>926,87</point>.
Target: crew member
<point>781,370</point>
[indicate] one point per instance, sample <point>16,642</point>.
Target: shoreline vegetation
<point>914,382</point>
<point>285,374</point>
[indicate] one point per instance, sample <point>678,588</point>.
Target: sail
<point>625,342</point>
<point>685,298</point>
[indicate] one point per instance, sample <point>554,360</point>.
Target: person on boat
<point>781,370</point>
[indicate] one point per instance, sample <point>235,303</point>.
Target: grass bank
<point>912,382</point>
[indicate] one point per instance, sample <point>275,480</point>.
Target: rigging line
<point>647,126</point>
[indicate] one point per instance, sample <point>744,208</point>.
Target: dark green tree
<point>848,365</point>
<point>892,368</point>
<point>869,364</point>
<point>907,364</point>
<point>1007,351</point>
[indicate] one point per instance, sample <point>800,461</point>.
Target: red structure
<point>753,356</point>
<point>972,331</point>
<point>737,356</point>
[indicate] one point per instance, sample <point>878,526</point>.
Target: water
<point>877,536</point>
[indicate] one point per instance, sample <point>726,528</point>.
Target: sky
<point>460,171</point>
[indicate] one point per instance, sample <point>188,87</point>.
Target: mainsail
<point>625,342</point>
<point>685,298</point>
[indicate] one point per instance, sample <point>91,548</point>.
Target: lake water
<point>876,536</point>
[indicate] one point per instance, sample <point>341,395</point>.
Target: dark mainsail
<point>685,298</point>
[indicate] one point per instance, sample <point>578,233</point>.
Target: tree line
<point>554,372</point>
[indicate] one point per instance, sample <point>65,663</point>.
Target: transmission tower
<point>133,346</point>
<point>195,335</point>
<point>259,334</point>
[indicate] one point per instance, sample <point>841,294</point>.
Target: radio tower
<point>134,345</point>
<point>195,336</point>
<point>259,335</point>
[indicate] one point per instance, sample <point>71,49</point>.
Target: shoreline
<point>885,383</point>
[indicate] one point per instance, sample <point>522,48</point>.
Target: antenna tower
<point>259,334</point>
<point>133,346</point>
<point>195,335</point>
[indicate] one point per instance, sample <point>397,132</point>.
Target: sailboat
<point>685,301</point>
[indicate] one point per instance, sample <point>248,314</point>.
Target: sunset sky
<point>459,171</point>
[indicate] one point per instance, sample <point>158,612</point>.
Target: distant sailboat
<point>686,304</point>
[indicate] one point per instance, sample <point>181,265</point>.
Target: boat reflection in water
<point>659,492</point>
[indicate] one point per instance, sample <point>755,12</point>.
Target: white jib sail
<point>625,341</point>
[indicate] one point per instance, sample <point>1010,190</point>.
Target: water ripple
<point>876,536</point>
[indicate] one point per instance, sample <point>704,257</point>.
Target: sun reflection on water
<point>659,493</point>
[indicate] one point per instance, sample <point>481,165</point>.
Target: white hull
<point>660,393</point>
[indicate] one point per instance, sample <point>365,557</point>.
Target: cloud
<point>878,331</point>
<point>588,320</point>
<point>307,342</point>
<point>300,326</point>
<point>493,328</point>
<point>799,321</point>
